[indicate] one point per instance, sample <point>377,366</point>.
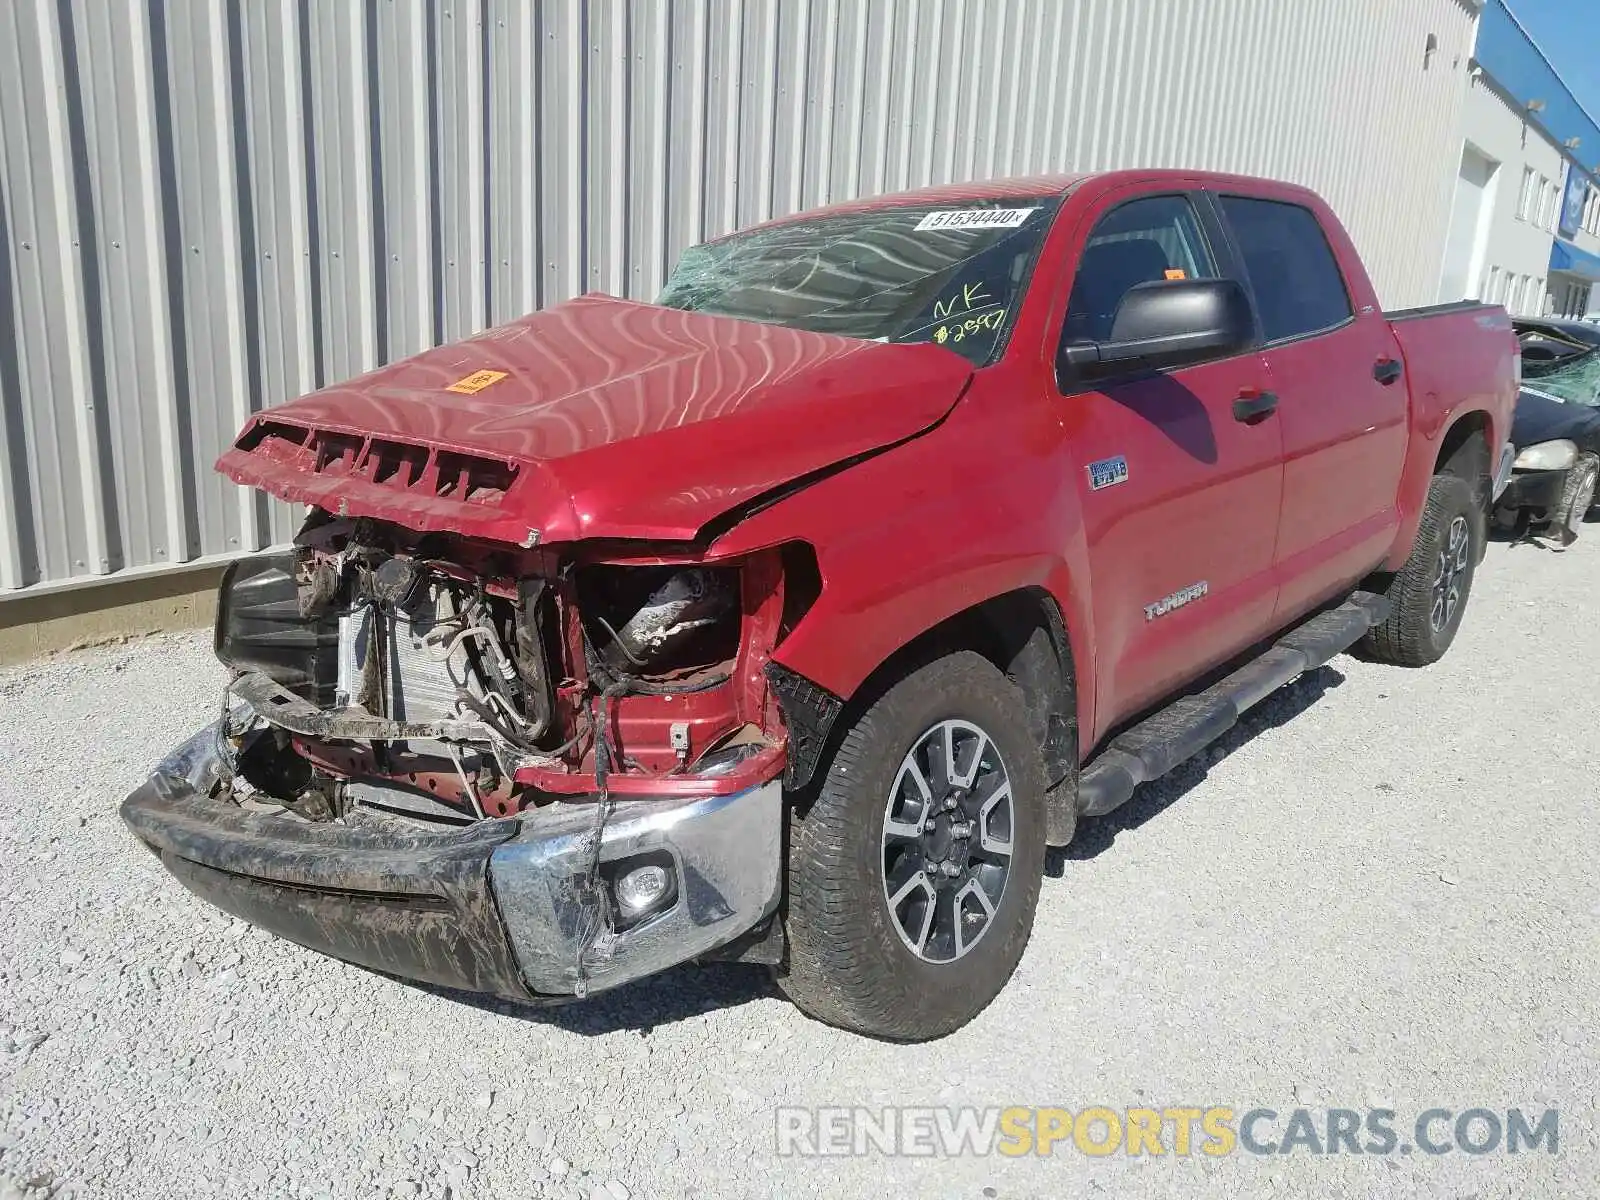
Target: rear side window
<point>1292,269</point>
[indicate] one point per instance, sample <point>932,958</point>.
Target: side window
<point>1296,278</point>
<point>1155,238</point>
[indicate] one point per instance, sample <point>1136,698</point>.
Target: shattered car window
<point>952,276</point>
<point>1575,380</point>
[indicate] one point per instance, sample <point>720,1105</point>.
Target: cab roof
<point>1028,187</point>
<point>1020,187</point>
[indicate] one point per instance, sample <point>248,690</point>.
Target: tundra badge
<point>1107,472</point>
<point>1177,600</point>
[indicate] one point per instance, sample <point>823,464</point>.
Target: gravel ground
<point>1379,893</point>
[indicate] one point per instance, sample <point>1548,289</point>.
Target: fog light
<point>641,889</point>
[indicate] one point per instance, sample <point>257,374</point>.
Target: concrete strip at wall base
<point>31,626</point>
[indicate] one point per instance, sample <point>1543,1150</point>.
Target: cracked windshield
<point>1575,380</point>
<point>949,276</point>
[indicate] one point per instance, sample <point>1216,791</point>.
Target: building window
<point>1514,295</point>
<point>1546,205</point>
<point>1491,287</point>
<point>1526,198</point>
<point>1538,303</point>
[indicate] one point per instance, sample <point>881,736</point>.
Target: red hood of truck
<point>596,418</point>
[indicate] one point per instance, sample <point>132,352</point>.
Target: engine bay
<point>441,678</point>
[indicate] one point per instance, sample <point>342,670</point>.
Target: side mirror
<point>1171,322</point>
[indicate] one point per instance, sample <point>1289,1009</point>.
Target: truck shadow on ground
<point>686,993</point>
<point>1097,835</point>
<point>681,994</point>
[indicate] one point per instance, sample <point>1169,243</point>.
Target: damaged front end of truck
<point>525,770</point>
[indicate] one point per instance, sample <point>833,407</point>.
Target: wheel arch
<point>1464,449</point>
<point>1022,632</point>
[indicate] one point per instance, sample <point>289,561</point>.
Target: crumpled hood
<point>596,418</point>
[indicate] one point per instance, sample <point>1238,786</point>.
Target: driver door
<point>1180,498</point>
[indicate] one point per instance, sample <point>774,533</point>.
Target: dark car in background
<point>1556,431</point>
<point>1552,339</point>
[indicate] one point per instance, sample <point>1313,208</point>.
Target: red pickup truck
<point>790,618</point>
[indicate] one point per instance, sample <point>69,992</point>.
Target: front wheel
<point>1577,497</point>
<point>914,876</point>
<point>1429,594</point>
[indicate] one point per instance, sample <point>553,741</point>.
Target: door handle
<point>1386,370</point>
<point>1253,406</point>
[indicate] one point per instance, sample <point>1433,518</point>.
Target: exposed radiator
<point>417,687</point>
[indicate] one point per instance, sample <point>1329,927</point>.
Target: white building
<point>217,207</point>
<point>1525,220</point>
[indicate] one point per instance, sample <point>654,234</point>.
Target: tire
<point>854,961</point>
<point>1424,619</point>
<point>1577,498</point>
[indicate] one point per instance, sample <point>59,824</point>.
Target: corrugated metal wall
<point>209,206</point>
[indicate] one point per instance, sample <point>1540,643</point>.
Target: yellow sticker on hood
<point>476,382</point>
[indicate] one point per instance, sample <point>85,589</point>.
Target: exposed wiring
<point>486,714</point>
<point>440,645</point>
<point>585,728</point>
<point>589,886</point>
<point>616,640</point>
<point>606,676</point>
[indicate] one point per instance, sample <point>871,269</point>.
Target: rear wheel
<point>914,876</point>
<point>1429,594</point>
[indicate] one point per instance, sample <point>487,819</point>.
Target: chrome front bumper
<point>502,906</point>
<point>727,854</point>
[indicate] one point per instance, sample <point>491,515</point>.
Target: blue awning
<point>1564,256</point>
<point>1512,59</point>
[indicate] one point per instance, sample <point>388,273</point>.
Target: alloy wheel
<point>947,841</point>
<point>1451,576</point>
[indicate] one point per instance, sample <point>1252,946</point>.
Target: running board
<point>1186,726</point>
